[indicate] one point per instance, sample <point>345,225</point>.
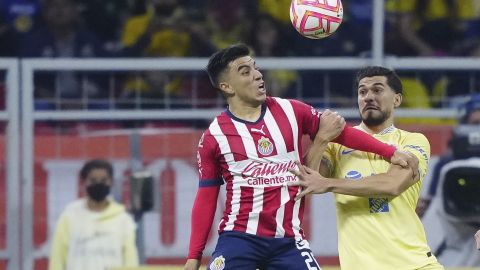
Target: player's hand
<point>477,239</point>
<point>331,125</point>
<point>310,181</point>
<point>192,264</point>
<point>406,160</point>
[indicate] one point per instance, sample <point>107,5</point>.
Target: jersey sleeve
<point>308,118</point>
<point>209,169</point>
<point>204,206</point>
<point>418,145</point>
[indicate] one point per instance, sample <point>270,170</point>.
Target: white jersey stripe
<point>248,142</point>
<point>288,109</point>
<point>227,153</point>
<point>277,137</point>
<point>285,197</point>
<point>296,220</point>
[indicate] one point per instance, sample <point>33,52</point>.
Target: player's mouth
<point>261,88</point>
<point>371,108</point>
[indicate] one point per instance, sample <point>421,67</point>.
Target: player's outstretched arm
<point>392,183</point>
<point>359,140</point>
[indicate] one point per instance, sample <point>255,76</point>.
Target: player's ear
<point>398,100</point>
<point>226,88</point>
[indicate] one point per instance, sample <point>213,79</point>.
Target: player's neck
<point>247,113</point>
<point>377,128</point>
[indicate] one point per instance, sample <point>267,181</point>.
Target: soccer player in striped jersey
<point>378,227</point>
<point>250,147</point>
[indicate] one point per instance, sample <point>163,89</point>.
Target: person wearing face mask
<point>94,232</point>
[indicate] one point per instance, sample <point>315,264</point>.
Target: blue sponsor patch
<point>378,205</point>
<point>354,175</point>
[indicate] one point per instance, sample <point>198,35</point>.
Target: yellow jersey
<point>380,233</point>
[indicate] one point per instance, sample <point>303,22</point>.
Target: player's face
<point>376,100</point>
<point>244,82</point>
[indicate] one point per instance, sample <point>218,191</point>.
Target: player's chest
<point>260,140</point>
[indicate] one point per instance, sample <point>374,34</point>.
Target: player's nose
<point>258,75</point>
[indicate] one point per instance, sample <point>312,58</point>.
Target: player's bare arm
<point>392,183</point>
<point>330,126</point>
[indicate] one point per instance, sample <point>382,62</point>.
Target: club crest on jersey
<point>265,146</point>
<point>218,263</point>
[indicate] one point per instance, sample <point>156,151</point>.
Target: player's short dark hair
<point>392,78</point>
<point>95,164</point>
<point>219,61</point>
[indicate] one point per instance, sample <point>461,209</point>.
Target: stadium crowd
<point>186,28</point>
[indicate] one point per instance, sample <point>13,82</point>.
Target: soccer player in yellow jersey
<point>378,228</point>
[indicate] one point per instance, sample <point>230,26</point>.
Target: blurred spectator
<point>163,31</point>
<point>230,22</point>
<point>428,27</point>
<point>22,15</point>
<point>277,9</point>
<point>8,39</point>
<point>94,232</point>
<point>62,36</point>
<point>105,18</point>
<point>268,41</point>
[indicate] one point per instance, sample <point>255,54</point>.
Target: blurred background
<point>124,80</point>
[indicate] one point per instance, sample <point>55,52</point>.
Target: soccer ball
<point>316,19</point>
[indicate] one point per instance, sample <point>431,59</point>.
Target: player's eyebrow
<point>242,66</point>
<point>375,84</point>
<point>245,65</point>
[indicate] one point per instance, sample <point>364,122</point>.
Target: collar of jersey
<point>387,130</point>
<point>262,114</point>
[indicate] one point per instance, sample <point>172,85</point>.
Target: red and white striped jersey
<point>252,159</point>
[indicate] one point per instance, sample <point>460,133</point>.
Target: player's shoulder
<point>274,101</point>
<point>417,137</point>
<point>416,142</point>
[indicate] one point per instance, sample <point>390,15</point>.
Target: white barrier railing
<point>11,117</point>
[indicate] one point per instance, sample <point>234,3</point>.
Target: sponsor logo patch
<point>218,263</point>
<point>346,152</point>
<point>378,205</point>
<point>354,175</point>
<point>265,146</point>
